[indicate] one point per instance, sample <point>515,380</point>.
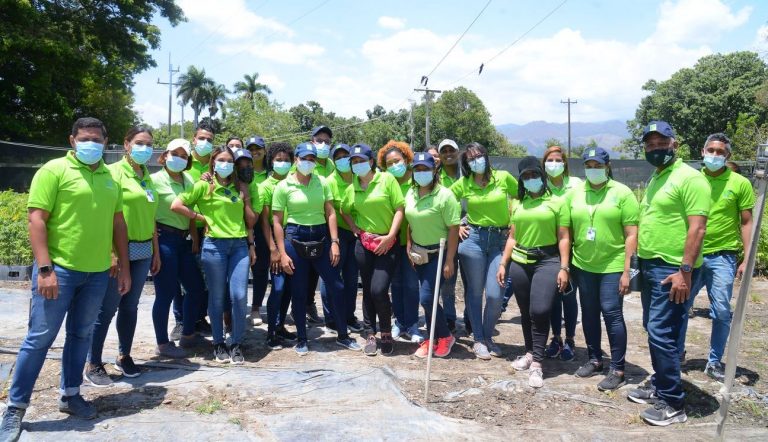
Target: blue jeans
<point>126,306</point>
<point>569,306</point>
<point>427,273</point>
<point>663,320</point>
<point>300,277</point>
<point>278,301</point>
<point>599,293</point>
<point>479,256</point>
<point>717,274</point>
<point>226,265</point>
<point>178,300</point>
<point>405,292</point>
<point>349,275</point>
<point>80,296</point>
<point>260,269</point>
<point>179,268</point>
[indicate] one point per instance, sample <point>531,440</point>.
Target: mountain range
<point>533,135</point>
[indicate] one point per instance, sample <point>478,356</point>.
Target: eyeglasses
<point>231,196</point>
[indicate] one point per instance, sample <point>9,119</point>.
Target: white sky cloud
<point>152,112</point>
<point>697,21</point>
<point>230,19</point>
<point>391,22</point>
<point>280,52</point>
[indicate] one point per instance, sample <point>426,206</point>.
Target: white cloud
<point>273,81</point>
<point>393,23</point>
<point>697,21</point>
<point>281,51</point>
<point>761,40</point>
<point>154,114</point>
<point>230,19</point>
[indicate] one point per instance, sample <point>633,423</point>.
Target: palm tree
<point>251,87</point>
<point>215,94</point>
<point>192,89</point>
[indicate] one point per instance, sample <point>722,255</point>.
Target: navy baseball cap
<point>660,127</point>
<point>361,151</point>
<point>255,140</point>
<point>423,159</point>
<point>242,153</point>
<point>325,129</point>
<point>596,154</point>
<point>341,146</point>
<point>304,149</point>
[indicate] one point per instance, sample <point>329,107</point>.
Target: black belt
<point>723,252</point>
<point>171,229</point>
<point>501,230</point>
<point>540,252</point>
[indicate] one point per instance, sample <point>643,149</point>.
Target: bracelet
<point>566,268</point>
<point>336,240</point>
<point>194,216</point>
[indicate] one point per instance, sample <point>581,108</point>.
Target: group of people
<point>293,216</point>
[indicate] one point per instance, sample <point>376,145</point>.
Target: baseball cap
<point>242,153</point>
<point>179,143</point>
<point>304,149</point>
<point>660,127</point>
<point>341,146</point>
<point>255,140</point>
<point>447,142</point>
<point>529,163</point>
<point>423,159</point>
<point>325,129</point>
<point>596,154</point>
<point>361,151</point>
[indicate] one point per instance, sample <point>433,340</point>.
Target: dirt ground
<point>487,394</point>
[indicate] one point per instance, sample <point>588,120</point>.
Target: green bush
<point>14,237</point>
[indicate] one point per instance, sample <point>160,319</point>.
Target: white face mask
<point>554,169</point>
<point>596,176</point>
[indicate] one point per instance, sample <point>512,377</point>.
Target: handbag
<point>308,249</point>
<point>138,250</point>
<point>420,255</point>
<point>371,240</point>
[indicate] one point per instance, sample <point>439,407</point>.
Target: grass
<point>235,421</point>
<point>755,298</point>
<point>209,407</point>
<point>755,409</point>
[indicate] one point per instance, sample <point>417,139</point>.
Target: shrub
<point>14,237</point>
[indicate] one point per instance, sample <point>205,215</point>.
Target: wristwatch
<point>686,268</point>
<point>45,270</point>
<point>336,240</point>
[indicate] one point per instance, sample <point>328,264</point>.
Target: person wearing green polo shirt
<point>226,208</point>
<point>257,147</point>
<point>604,225</point>
<point>487,193</point>
<point>201,152</point>
<point>729,227</point>
<point>433,214</point>
<point>539,245</point>
<point>75,218</point>
<point>673,218</point>
<point>373,209</point>
<point>446,155</point>
<point>140,201</point>
<point>450,165</point>
<point>309,239</point>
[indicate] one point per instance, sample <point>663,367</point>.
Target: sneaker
<point>283,333</point>
<point>11,428</point>
<point>423,350</point>
<point>536,378</point>
<point>554,348</point>
<point>416,336</point>
<point>354,325</point>
<point>236,355</point>
<point>662,415</point>
<point>349,344</point>
<point>566,354</point>
<point>330,329</point>
<point>274,343</point>
<point>387,344</point>
<point>481,351</point>
<point>371,346</point>
<point>221,353</point>
<point>203,328</point>
<point>444,346</point>
<point>589,369</point>
<point>522,363</point>
<point>170,350</point>
<point>125,364</point>
<point>494,349</point>
<point>312,316</point>
<point>715,370</point>
<point>396,332</point>
<point>613,381</point>
<point>97,375</point>
<point>193,341</point>
<point>256,318</point>
<point>176,332</point>
<point>643,394</point>
<point>77,406</point>
<point>301,348</point>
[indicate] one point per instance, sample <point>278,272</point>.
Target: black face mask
<point>245,174</point>
<point>660,157</point>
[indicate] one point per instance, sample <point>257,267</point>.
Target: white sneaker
<point>416,336</point>
<point>396,332</point>
<point>536,378</point>
<point>481,351</point>
<point>256,319</point>
<point>522,363</point>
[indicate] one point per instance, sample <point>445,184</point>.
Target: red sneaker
<point>444,345</point>
<point>423,350</point>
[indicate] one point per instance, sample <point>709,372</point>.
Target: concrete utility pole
<point>569,103</point>
<point>427,93</point>
<point>170,84</point>
<point>410,123</point>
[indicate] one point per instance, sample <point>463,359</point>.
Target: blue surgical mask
<point>361,169</point>
<point>533,185</point>
<point>714,162</point>
<point>323,150</point>
<point>305,167</point>
<point>141,153</point>
<point>342,164</point>
<point>281,167</point>
<point>203,148</point>
<point>224,168</point>
<point>596,176</point>
<point>89,152</point>
<point>423,178</point>
<point>398,170</point>
<point>477,165</point>
<point>175,164</point>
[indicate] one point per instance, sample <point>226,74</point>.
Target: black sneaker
<point>662,415</point>
<point>221,353</point>
<point>126,365</point>
<point>349,344</point>
<point>203,328</point>
<point>275,343</point>
<point>354,325</point>
<point>236,355</point>
<point>643,394</point>
<point>613,381</point>
<point>312,316</point>
<point>283,333</point>
<point>11,428</point>
<point>97,375</point>
<point>589,369</point>
<point>77,406</point>
<point>715,370</point>
<point>301,348</point>
<point>387,344</point>
<point>176,332</point>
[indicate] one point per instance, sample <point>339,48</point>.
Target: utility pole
<point>569,103</point>
<point>428,98</point>
<point>170,84</point>
<point>181,126</point>
<point>410,123</point>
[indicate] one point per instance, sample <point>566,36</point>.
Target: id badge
<point>150,196</point>
<point>591,234</point>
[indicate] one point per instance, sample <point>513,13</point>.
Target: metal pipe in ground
<point>435,300</point>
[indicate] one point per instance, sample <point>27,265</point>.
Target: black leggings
<point>376,275</point>
<point>535,289</point>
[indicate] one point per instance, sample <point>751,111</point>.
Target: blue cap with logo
<point>304,149</point>
<point>361,151</point>
<point>255,140</point>
<point>660,127</point>
<point>325,129</point>
<point>340,146</point>
<point>242,153</point>
<point>596,154</point>
<point>423,159</point>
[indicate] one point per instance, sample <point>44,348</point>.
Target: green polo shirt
<point>197,169</point>
<point>302,205</point>
<point>569,183</point>
<point>404,188</point>
<point>140,200</point>
<point>488,206</point>
<point>430,216</point>
<point>447,180</point>
<point>167,190</point>
<point>266,190</point>
<point>260,177</point>
<point>338,190</point>
<point>81,204</point>
<point>536,220</point>
<point>373,208</point>
<point>731,194</point>
<point>253,192</point>
<point>598,218</point>
<point>223,208</point>
<point>673,195</point>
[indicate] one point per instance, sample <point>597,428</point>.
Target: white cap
<point>179,143</point>
<point>447,142</point>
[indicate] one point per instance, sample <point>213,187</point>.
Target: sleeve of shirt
<point>458,189</point>
<point>348,200</point>
<point>327,189</point>
<point>44,190</point>
<point>746,195</point>
<point>256,204</point>
<point>695,193</point>
<point>630,209</point>
<point>451,210</point>
<point>395,194</point>
<point>564,212</point>
<point>191,196</point>
<point>511,184</point>
<point>280,197</point>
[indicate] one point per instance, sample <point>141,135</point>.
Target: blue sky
<point>351,55</point>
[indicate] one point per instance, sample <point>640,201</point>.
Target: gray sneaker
<point>535,378</point>
<point>176,332</point>
<point>481,351</point>
<point>170,350</point>
<point>97,375</point>
<point>349,344</point>
<point>301,348</point>
<point>371,346</point>
<point>10,431</point>
<point>236,356</point>
<point>77,406</point>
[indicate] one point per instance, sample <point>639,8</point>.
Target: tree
<point>193,90</point>
<point>250,87</point>
<point>244,117</point>
<point>745,134</point>
<point>215,94</point>
<point>549,142</point>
